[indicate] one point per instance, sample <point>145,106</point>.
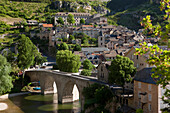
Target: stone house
<point>46,31</point>
<point>97,19</point>
<point>77,17</point>
<point>110,55</point>
<point>95,58</point>
<point>103,72</point>
<point>139,61</point>
<point>61,34</point>
<point>111,43</point>
<point>147,94</point>
<point>92,32</point>
<point>106,28</point>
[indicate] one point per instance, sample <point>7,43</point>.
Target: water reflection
<point>35,103</point>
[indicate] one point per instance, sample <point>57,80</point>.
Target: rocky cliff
<point>77,6</point>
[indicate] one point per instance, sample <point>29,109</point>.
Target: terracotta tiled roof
<point>87,25</point>
<point>47,25</point>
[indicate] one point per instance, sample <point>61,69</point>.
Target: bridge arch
<point>71,91</point>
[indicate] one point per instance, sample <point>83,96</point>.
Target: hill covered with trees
<point>122,12</point>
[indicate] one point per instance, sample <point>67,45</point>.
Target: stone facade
<point>101,41</point>
<point>93,33</point>
<point>103,72</point>
<point>77,17</point>
<point>139,61</point>
<point>149,102</point>
<point>97,19</point>
<point>147,94</point>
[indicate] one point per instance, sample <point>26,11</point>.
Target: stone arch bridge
<point>64,82</point>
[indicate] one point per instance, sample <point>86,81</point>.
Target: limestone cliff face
<point>78,7</point>
<point>101,10</point>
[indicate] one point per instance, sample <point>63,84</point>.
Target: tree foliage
<point>70,19</point>
<point>121,70</point>
<point>26,52</point>
<point>97,94</point>
<point>77,47</point>
<point>156,56</point>
<point>86,72</point>
<point>82,21</point>
<point>63,46</point>
<point>60,21</point>
<point>39,59</point>
<point>67,61</point>
<point>87,65</point>
<point>5,79</point>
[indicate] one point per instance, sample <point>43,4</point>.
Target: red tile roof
<point>87,25</point>
<point>47,25</point>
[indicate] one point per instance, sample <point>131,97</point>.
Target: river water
<point>36,103</point>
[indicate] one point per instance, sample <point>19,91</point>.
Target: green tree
<point>86,72</point>
<point>139,110</point>
<point>39,59</point>
<point>67,61</point>
<point>85,40</point>
<point>82,21</point>
<point>5,79</point>
<point>60,21</point>
<point>63,46</point>
<point>121,70</point>
<point>71,37</point>
<point>77,47</point>
<point>156,56</point>
<point>93,40</point>
<point>65,39</point>
<point>26,52</point>
<point>27,29</point>
<point>97,94</point>
<point>87,65</point>
<point>70,19</point>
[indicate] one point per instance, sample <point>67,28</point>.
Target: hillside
<point>131,17</point>
<point>122,12</point>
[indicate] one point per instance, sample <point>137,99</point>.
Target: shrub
<point>86,72</point>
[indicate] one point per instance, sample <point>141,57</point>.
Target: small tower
<point>101,40</point>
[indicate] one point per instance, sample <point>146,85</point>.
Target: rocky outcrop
<point>74,7</point>
<point>101,10</point>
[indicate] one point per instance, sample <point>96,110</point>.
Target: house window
<point>139,96</point>
<point>139,104</point>
<point>139,84</point>
<point>101,68</point>
<point>136,56</point>
<point>132,56</point>
<point>141,64</point>
<point>149,87</point>
<point>137,65</point>
<point>150,97</point>
<point>149,107</point>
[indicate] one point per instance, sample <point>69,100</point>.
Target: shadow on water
<point>36,103</point>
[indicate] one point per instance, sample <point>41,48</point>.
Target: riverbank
<point>6,96</point>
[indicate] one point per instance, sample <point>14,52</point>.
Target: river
<point>37,103</point>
